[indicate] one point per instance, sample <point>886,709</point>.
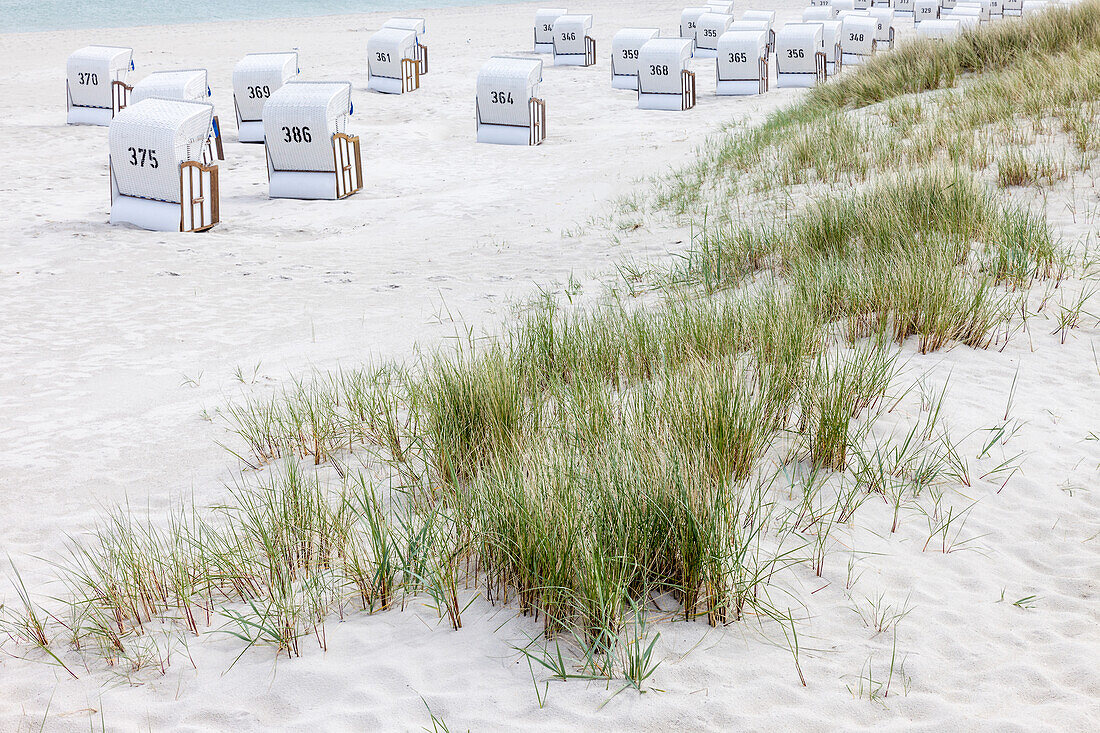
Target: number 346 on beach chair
<point>310,154</point>
<point>158,179</point>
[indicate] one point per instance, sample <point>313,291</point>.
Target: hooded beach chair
<point>509,111</point>
<point>664,80</point>
<point>742,65</point>
<point>818,13</point>
<point>95,84</point>
<point>800,59</point>
<point>625,48</point>
<point>939,29</point>
<point>158,178</point>
<point>255,78</point>
<point>182,85</point>
<point>689,23</point>
<point>925,10</point>
<point>420,27</point>
<point>573,46</point>
<point>310,154</point>
<point>544,28</point>
<point>884,35</point>
<point>709,28</point>
<point>767,16</point>
<point>858,40</point>
<point>392,67</point>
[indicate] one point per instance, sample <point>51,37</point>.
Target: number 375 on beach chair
<point>310,154</point>
<point>158,178</point>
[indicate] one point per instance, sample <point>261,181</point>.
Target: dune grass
<point>678,454</point>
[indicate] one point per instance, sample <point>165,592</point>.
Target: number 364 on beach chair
<point>310,155</point>
<point>509,111</point>
<point>158,179</point>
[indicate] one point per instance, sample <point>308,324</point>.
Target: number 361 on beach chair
<point>509,111</point>
<point>158,181</point>
<point>392,65</point>
<point>310,155</point>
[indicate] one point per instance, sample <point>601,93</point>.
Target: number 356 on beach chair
<point>509,111</point>
<point>310,155</point>
<point>800,59</point>
<point>158,179</point>
<point>95,84</point>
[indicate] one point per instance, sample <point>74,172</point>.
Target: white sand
<point>101,325</point>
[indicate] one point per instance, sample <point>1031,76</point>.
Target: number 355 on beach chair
<point>95,84</point>
<point>158,179</point>
<point>310,155</point>
<point>182,85</point>
<point>392,67</point>
<point>255,78</point>
<point>509,111</point>
<point>664,80</point>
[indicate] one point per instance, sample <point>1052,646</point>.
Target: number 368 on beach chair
<point>664,80</point>
<point>95,84</point>
<point>158,181</point>
<point>310,155</point>
<point>509,111</point>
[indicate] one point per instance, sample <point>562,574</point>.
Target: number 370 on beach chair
<point>310,155</point>
<point>158,179</point>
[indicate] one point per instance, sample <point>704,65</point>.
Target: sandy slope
<point>102,326</point>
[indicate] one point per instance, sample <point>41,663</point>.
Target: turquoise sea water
<point>43,15</point>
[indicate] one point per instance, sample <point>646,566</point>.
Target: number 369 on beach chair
<point>255,78</point>
<point>310,155</point>
<point>158,181</point>
<point>95,84</point>
<point>509,111</point>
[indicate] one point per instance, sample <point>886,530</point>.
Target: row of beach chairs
<point>164,137</point>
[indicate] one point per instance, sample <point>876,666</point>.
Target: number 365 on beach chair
<point>509,111</point>
<point>158,179</point>
<point>95,84</point>
<point>310,154</point>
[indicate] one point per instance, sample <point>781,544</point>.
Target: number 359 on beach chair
<point>158,181</point>
<point>310,154</point>
<point>509,111</point>
<point>95,84</point>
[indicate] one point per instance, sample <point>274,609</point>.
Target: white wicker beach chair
<point>573,46</point>
<point>420,27</point>
<point>509,111</point>
<point>544,28</point>
<point>255,78</point>
<point>709,28</point>
<point>1012,8</point>
<point>183,85</point>
<point>800,59</point>
<point>158,179</point>
<point>664,80</point>
<point>939,29</point>
<point>817,13</point>
<point>392,67</point>
<point>722,7</point>
<point>625,48</point>
<point>858,38</point>
<point>885,31</point>
<point>903,8</point>
<point>742,65</point>
<point>95,84</point>
<point>768,16</point>
<point>689,23</point>
<point>925,10</point>
<point>844,6</point>
<point>830,42</point>
<point>310,154</point>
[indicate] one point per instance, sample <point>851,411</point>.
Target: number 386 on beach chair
<point>95,84</point>
<point>509,111</point>
<point>158,179</point>
<point>310,155</point>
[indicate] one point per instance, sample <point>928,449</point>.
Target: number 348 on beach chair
<point>310,155</point>
<point>158,179</point>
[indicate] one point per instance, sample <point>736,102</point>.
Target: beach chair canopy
<point>90,71</point>
<point>796,49</point>
<point>544,27</point>
<point>710,27</point>
<point>505,86</point>
<point>184,85</point>
<point>766,15</point>
<point>660,64</point>
<point>256,77</point>
<point>148,141</point>
<point>884,17</point>
<point>299,122</point>
<point>626,46</point>
<point>857,38</point>
<point>718,6</point>
<point>417,25</point>
<point>938,29</point>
